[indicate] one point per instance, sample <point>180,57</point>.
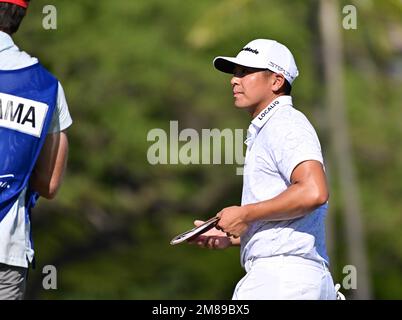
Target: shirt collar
<point>6,42</point>
<point>262,118</point>
<point>269,110</point>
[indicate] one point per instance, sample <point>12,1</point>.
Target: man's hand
<point>233,221</point>
<point>212,239</point>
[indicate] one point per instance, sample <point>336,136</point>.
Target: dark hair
<point>287,87</point>
<point>11,16</point>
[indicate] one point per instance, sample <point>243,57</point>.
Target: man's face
<point>252,88</point>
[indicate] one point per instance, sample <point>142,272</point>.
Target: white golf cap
<point>262,54</point>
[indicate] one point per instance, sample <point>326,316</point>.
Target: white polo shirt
<point>15,245</point>
<point>278,139</point>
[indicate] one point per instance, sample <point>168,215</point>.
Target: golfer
<point>280,225</point>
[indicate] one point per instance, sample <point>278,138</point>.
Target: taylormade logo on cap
<point>251,50</point>
<point>262,54</point>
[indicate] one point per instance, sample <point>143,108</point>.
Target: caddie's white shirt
<point>278,139</point>
<point>15,244</point>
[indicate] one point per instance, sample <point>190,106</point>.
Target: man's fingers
<point>202,241</point>
<point>211,242</point>
<point>199,241</point>
<point>198,222</point>
<point>206,242</point>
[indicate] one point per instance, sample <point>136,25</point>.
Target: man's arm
<point>308,190</point>
<point>49,169</point>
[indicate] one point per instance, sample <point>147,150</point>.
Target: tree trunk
<point>330,26</point>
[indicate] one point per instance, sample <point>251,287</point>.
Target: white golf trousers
<point>285,278</point>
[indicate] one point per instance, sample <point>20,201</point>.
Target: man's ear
<point>278,81</point>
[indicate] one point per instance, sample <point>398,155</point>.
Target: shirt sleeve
<point>298,142</point>
<point>61,118</point>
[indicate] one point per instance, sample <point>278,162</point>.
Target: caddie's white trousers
<point>285,278</point>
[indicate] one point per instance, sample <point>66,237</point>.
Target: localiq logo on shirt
<point>265,112</point>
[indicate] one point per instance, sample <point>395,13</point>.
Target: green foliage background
<point>130,66</point>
